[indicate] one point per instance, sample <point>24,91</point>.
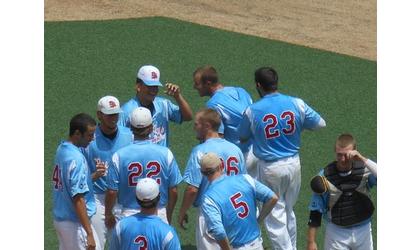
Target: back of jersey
<point>144,232</point>
<point>230,103</point>
<point>139,160</point>
<point>276,122</point>
<point>232,159</point>
<point>236,199</point>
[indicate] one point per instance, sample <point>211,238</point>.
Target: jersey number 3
<point>239,204</point>
<point>272,122</point>
<point>141,240</point>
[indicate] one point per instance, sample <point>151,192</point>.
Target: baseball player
<point>162,109</point>
<point>138,160</point>
<point>341,194</point>
<point>230,103</point>
<point>206,124</point>
<point>108,139</point>
<point>275,123</point>
<point>73,202</point>
<point>230,204</point>
<point>145,230</point>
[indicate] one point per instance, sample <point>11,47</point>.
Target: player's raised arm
<point>175,91</point>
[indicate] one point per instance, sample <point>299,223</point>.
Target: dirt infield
<point>347,27</point>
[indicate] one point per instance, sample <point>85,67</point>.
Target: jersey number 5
<point>135,169</point>
<point>272,122</point>
<point>237,205</point>
<point>141,240</point>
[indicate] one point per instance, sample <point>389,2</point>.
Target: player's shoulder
<point>129,104</point>
<point>125,130</point>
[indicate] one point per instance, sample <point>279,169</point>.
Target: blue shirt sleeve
<point>174,243</point>
<point>78,177</point>
<point>113,176</point>
<point>213,218</point>
<point>192,173</point>
<point>174,112</point>
<point>310,117</point>
<point>244,129</point>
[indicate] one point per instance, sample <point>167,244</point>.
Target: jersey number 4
<point>239,204</point>
<point>135,169</point>
<point>270,129</point>
<point>56,178</point>
<point>141,240</point>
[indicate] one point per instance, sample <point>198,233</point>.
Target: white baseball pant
<point>203,239</point>
<point>72,236</point>
<point>343,238</point>
<point>251,163</point>
<point>284,178</point>
<point>253,245</point>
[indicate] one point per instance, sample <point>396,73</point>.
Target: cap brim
<point>111,112</point>
<point>153,83</point>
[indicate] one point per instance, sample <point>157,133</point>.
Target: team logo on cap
<point>112,104</point>
<point>154,75</point>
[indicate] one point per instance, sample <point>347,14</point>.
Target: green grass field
<point>87,60</point>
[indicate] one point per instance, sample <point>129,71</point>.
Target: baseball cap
<point>209,162</point>
<point>140,117</point>
<point>147,189</point>
<point>109,105</point>
<point>149,75</point>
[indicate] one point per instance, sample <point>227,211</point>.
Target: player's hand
<point>91,245</point>
<point>172,89</point>
<point>101,169</point>
<point>181,221</point>
<point>355,155</point>
<point>110,221</point>
<point>312,246</point>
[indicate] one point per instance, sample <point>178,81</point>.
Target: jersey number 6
<point>245,210</point>
<point>270,128</point>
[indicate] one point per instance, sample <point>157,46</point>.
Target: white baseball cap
<point>109,105</point>
<point>140,117</point>
<point>210,161</point>
<point>147,189</point>
<point>149,75</point>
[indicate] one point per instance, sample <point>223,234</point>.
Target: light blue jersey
<point>319,202</point>
<point>139,160</point>
<point>275,123</point>
<point>141,231</point>
<point>163,112</point>
<point>102,149</point>
<point>71,176</point>
<point>233,163</point>
<point>230,103</point>
<point>229,208</point>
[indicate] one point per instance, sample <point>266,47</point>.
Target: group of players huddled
<point>116,182</point>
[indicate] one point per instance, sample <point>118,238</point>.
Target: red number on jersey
<point>141,240</point>
<point>234,200</point>
<point>135,169</point>
<point>155,171</point>
<point>232,166</point>
<point>57,178</point>
<point>290,122</point>
<point>270,134</point>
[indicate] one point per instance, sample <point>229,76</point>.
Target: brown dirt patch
<point>347,27</point>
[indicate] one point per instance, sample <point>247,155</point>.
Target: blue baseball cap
<point>149,75</point>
